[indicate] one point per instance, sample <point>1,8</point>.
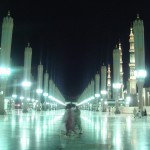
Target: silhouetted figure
<point>69,120</point>
<point>145,112</point>
<point>77,119</point>
<point>134,112</point>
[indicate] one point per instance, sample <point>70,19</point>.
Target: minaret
<point>132,79</point>
<point>121,71</point>
<point>109,82</point>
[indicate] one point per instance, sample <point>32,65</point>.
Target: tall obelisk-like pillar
<point>39,90</point>
<point>27,76</point>
<point>132,79</point>
<point>45,92</point>
<point>121,72</point>
<point>138,30</point>
<point>108,83</point>
<point>116,77</point>
<point>6,40</point>
<point>103,87</point>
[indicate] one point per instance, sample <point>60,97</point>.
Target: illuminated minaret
<point>109,82</point>
<point>121,71</point>
<point>132,79</point>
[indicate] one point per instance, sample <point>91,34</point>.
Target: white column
<point>103,87</point>
<point>27,76</point>
<point>6,39</point>
<point>138,28</point>
<point>39,90</point>
<point>116,77</point>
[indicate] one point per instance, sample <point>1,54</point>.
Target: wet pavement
<point>101,131</point>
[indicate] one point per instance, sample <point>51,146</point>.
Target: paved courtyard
<point>101,131</point>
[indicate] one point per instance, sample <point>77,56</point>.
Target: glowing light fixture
<point>103,92</point>
<point>86,100</point>
<point>26,83</point>
<point>56,100</point>
<point>14,96</point>
<point>4,71</point>
<point>117,85</point>
<point>39,91</point>
<point>140,73</point>
<point>97,95</point>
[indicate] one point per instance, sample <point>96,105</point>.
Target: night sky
<point>73,39</point>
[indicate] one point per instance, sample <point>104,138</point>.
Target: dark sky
<point>74,38</point>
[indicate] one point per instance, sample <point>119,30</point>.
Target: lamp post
<point>140,72</point>
<point>116,78</point>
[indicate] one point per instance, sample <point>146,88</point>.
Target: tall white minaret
<point>109,82</point>
<point>121,72</point>
<point>132,79</point>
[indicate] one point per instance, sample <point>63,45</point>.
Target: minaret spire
<point>132,78</point>
<point>138,16</point>
<point>109,82</point>
<point>121,70</point>
<point>8,12</point>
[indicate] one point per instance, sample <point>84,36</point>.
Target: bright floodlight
<point>4,71</point>
<point>128,99</point>
<point>106,102</point>
<point>103,92</point>
<point>21,97</point>
<point>56,100</point>
<point>117,85</point>
<point>14,96</point>
<point>86,100</point>
<point>26,83</point>
<point>140,73</point>
<point>97,95</point>
<point>45,94</point>
<point>39,91</point>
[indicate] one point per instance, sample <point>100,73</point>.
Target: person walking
<point>69,120</point>
<point>77,119</point>
<point>134,112</point>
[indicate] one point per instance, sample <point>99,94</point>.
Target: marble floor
<point>101,131</point>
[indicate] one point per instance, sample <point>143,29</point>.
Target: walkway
<point>102,131</point>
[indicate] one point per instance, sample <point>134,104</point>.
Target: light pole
<point>140,72</point>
